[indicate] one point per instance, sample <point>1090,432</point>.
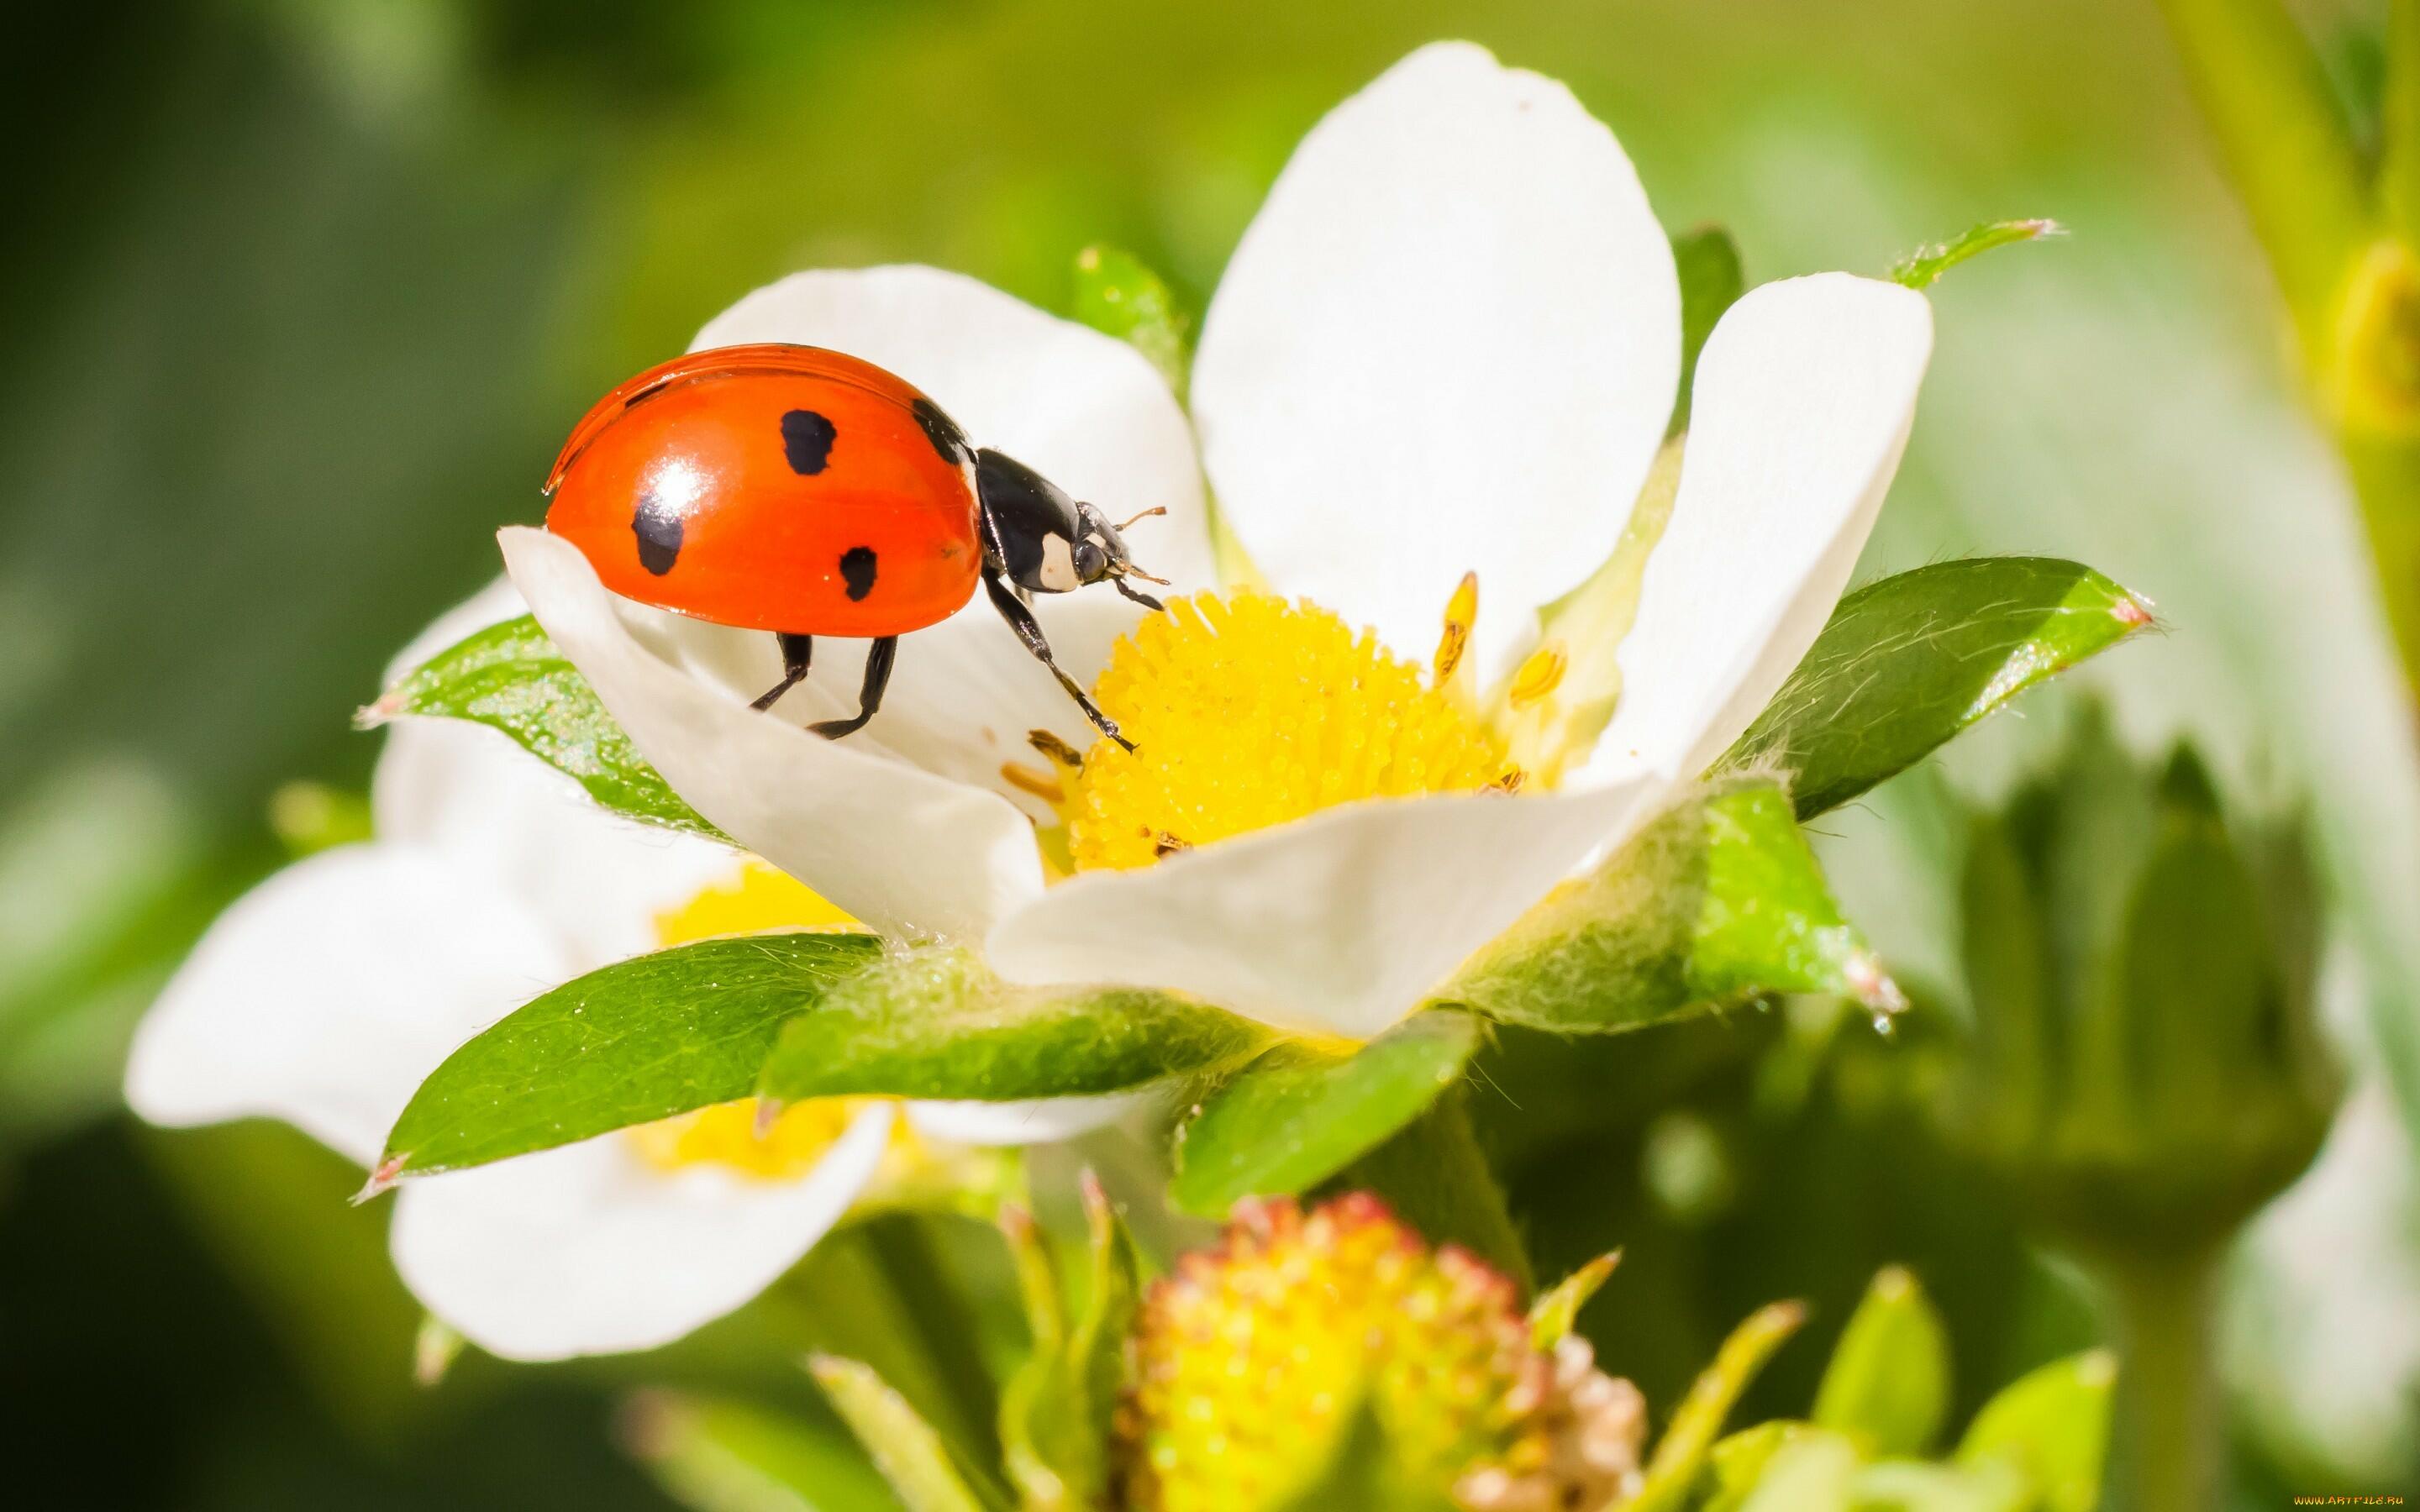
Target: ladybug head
<point>1101,552</point>
<point>1046,541</point>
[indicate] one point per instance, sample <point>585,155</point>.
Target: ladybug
<point>808,492</point>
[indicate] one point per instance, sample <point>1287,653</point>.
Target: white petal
<point>598,881</point>
<point>1450,341</point>
<point>327,992</point>
<point>1804,399</point>
<point>904,851</point>
<point>1035,1121</point>
<point>492,604</point>
<point>1339,924</point>
<point>590,1250</point>
<point>1086,410</point>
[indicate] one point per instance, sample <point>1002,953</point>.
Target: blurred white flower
<point>327,994</point>
<point>1449,344</point>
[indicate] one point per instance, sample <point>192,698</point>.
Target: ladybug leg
<point>797,651</point>
<point>1019,616</point>
<point>879,657</point>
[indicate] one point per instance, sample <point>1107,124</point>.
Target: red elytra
<point>808,492</point>
<point>734,485</point>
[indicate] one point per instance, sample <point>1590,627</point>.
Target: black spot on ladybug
<point>807,440</point>
<point>659,530</point>
<point>857,570</point>
<point>941,431</point>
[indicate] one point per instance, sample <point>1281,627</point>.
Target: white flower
<point>328,992</point>
<point>1449,344</point>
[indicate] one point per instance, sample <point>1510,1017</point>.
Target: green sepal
<point>510,677</point>
<point>1906,663</point>
<point>1681,1453</point>
<point>1057,1412</point>
<point>1557,1311</point>
<point>1707,261</point>
<point>645,1039</point>
<point>905,1447</point>
<point>1301,1113</point>
<point>2051,1425</point>
<point>935,1023</point>
<point>1922,268</point>
<point>1363,1472</point>
<point>1716,901</point>
<point>1887,1384</point>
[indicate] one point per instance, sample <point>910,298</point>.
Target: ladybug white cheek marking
<point>1057,572</point>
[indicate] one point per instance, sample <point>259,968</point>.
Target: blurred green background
<point>298,298</point>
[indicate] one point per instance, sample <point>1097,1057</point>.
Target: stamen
<point>1461,613</point>
<point>1026,780</point>
<point>1538,676</point>
<point>1055,748</point>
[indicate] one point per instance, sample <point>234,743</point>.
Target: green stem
<point>1434,1175</point>
<point>2286,144</point>
<point>2165,1455</point>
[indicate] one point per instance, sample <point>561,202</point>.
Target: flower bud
<point>2144,1069</point>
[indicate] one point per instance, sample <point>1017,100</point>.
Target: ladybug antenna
<point>1130,570</point>
<point>1145,599</point>
<point>1127,525</point>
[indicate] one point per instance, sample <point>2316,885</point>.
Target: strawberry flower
<point>1445,352</point>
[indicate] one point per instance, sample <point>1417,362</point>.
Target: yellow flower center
<point>759,899</point>
<point>732,1134</point>
<point>1251,1358</point>
<point>1247,711</point>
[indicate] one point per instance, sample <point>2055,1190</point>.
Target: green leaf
<point>1910,661</point>
<point>1300,1114</point>
<point>1887,1385</point>
<point>903,1447</point>
<point>644,1040</point>
<point>510,677</point>
<point>1718,900</point>
<point>935,1023</point>
<point>726,1455</point>
<point>1922,268</point>
<point>1557,1311</point>
<point>1436,1178</point>
<point>2051,1425</point>
<point>1672,1470</point>
<point>1118,296</point>
<point>1712,280</point>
